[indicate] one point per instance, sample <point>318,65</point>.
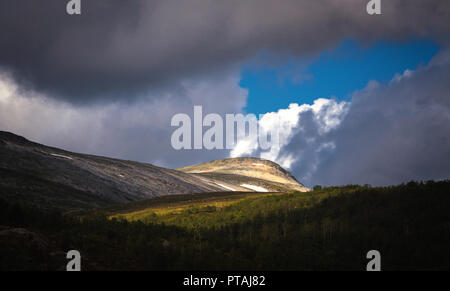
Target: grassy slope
<point>169,208</point>
<point>328,229</point>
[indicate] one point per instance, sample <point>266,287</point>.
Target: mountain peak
<point>258,170</point>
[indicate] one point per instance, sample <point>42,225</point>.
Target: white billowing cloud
<point>328,113</point>
<point>244,147</point>
<point>320,117</point>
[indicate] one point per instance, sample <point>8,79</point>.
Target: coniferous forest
<point>330,228</point>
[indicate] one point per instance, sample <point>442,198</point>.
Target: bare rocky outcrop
<point>236,172</point>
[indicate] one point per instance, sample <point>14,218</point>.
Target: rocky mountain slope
<point>242,174</point>
<point>49,177</point>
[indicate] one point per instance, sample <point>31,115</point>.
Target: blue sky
<point>333,73</point>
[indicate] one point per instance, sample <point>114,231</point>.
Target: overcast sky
<point>109,81</point>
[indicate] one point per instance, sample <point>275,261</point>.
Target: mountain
<point>241,174</point>
<point>52,177</point>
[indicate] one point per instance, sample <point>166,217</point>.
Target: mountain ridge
<point>50,176</point>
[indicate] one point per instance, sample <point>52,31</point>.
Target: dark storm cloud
<point>51,51</point>
<point>118,49</point>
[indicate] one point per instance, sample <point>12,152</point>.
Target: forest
<point>329,228</point>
